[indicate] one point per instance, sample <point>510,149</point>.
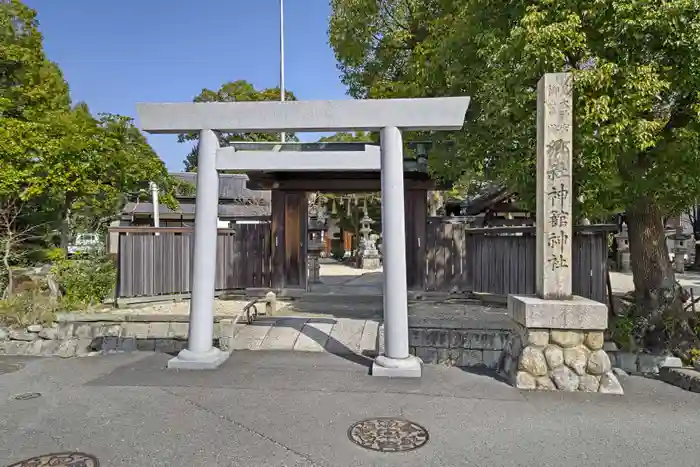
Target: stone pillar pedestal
<point>314,249</point>
<point>557,345</point>
<point>314,269</point>
<point>625,261</point>
<point>679,262</point>
<point>370,262</point>
<point>680,248</point>
<point>623,251</point>
<point>368,256</point>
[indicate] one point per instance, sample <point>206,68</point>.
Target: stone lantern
<point>680,248</point>
<point>623,250</point>
<point>314,249</point>
<point>368,257</point>
<point>316,245</point>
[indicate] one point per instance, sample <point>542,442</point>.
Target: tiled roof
<point>188,208</point>
<point>231,187</point>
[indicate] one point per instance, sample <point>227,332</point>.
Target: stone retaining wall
<point>556,359</point>
<point>684,378</point>
<point>458,347</point>
<point>82,334</point>
<point>642,362</point>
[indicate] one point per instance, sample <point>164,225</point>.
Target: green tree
<point>59,167</point>
<point>100,163</point>
<point>30,85</point>
<point>348,137</point>
<point>33,95</point>
<point>637,117</point>
<point>235,91</point>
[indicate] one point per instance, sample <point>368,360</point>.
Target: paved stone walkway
<point>341,279</point>
<point>342,336</point>
<point>622,282</point>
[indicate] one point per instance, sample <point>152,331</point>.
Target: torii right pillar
<point>557,343</point>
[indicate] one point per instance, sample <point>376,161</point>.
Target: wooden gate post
<point>416,219</point>
<point>277,239</point>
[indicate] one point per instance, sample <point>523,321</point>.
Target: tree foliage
<point>348,137</point>
<point>637,98</point>
<point>235,91</point>
<point>100,163</point>
<point>56,160</point>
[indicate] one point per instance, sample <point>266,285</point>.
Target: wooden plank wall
<point>150,264</point>
<point>501,260</point>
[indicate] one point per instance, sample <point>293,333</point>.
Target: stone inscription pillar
<point>557,339</point>
<point>396,361</point>
<point>554,148</point>
<point>200,353</point>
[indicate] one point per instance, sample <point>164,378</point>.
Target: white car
<point>86,243</point>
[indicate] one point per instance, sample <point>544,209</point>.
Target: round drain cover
<point>9,367</point>
<point>28,395</point>
<point>388,435</point>
<point>61,459</point>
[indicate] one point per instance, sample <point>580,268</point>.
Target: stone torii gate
<point>388,116</point>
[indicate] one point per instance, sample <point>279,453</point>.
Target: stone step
<point>341,297</point>
<point>342,336</point>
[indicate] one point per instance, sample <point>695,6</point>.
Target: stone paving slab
<point>337,336</point>
<point>370,337</point>
<point>252,335</point>
<point>314,336</point>
<point>346,336</point>
<point>283,334</point>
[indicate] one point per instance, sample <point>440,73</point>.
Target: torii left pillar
<point>200,353</point>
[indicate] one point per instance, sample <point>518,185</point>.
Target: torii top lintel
<point>437,113</point>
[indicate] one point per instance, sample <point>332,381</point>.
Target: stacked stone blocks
<point>458,347</point>
<point>81,335</point>
<point>559,359</point>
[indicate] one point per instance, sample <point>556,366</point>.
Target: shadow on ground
<point>330,344</point>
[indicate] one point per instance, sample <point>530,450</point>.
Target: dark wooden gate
<point>289,235</point>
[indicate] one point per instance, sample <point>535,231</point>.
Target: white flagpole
<point>282,135</point>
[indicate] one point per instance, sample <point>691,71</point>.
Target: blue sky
<point>115,54</point>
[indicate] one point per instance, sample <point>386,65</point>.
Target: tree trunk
<point>660,322</point>
<point>66,225</point>
<point>7,293</point>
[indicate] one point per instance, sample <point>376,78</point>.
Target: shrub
<point>85,280</point>
<point>622,328</point>
<point>28,307</point>
<point>694,356</point>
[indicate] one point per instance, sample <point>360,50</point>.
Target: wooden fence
<point>158,261</point>
<point>501,260</point>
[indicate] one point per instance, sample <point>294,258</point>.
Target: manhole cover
<point>9,368</point>
<point>388,435</point>
<point>61,459</point>
<point>27,396</point>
